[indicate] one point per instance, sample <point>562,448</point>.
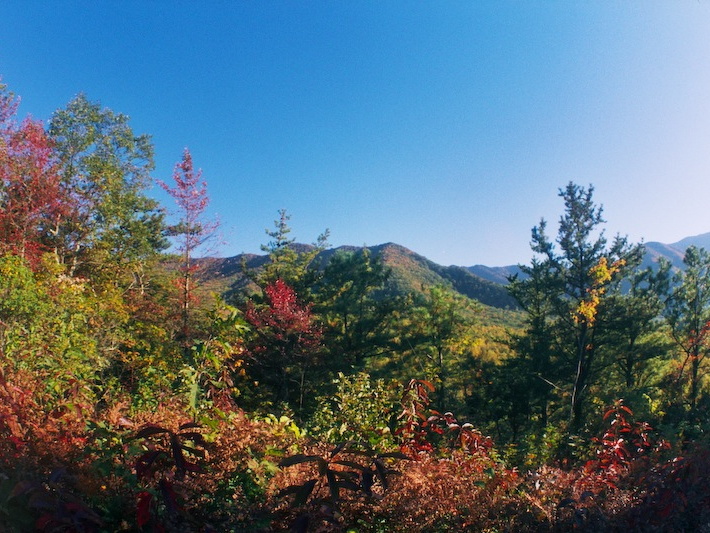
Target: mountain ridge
<point>414,272</point>
<point>410,272</point>
<point>654,251</point>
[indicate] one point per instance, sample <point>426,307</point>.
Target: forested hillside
<point>146,388</point>
<point>409,273</point>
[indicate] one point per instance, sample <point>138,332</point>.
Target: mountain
<point>658,250</point>
<point>414,272</point>
<point>654,251</point>
<point>701,241</point>
<point>410,272</point>
<point>495,274</point>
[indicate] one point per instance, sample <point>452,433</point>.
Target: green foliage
<point>91,349</point>
<point>213,365</point>
<point>435,335</point>
<point>19,298</point>
<point>284,425</point>
<point>688,314</point>
<point>564,293</point>
<point>287,262</point>
<point>106,167</point>
<point>46,328</point>
<point>636,338</point>
<point>361,409</point>
<point>351,309</point>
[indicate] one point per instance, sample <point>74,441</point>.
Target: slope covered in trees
<point>326,390</point>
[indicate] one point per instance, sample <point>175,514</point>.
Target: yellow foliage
<point>601,275</point>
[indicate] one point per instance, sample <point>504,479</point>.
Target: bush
<point>361,409</point>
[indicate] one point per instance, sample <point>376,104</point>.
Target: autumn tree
<point>8,106</point>
<point>112,235</point>
<point>32,198</point>
<point>579,269</point>
<point>114,226</point>
<point>191,232</point>
<point>285,351</point>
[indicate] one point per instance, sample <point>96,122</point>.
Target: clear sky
<point>444,126</point>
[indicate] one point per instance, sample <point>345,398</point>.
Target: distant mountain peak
<point>701,241</point>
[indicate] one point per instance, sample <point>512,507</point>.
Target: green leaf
<point>193,395</point>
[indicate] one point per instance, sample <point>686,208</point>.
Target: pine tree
<point>688,313</point>
<point>577,278</point>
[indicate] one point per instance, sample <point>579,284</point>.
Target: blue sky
<point>447,127</point>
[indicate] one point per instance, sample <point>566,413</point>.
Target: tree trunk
<point>584,360</point>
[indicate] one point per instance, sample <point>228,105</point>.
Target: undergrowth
<point>76,469</point>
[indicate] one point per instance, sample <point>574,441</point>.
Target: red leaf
<point>143,508</point>
<point>44,521</point>
<point>145,461</point>
<point>169,496</point>
<point>427,384</point>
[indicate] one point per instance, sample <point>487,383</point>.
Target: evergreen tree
<point>288,261</point>
<point>533,375</point>
<point>352,314</point>
<point>435,335</point>
<point>688,314</point>
<point>635,336</point>
<point>578,270</point>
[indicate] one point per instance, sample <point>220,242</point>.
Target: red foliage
<point>286,345</point>
<point>345,469</point>
<point>418,427</point>
<point>169,456</point>
<point>623,443</point>
<point>192,231</point>
<point>143,516</point>
<point>8,107</point>
<point>33,198</point>
<point>285,317</point>
<point>190,194</point>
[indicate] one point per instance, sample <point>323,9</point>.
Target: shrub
<point>361,409</point>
